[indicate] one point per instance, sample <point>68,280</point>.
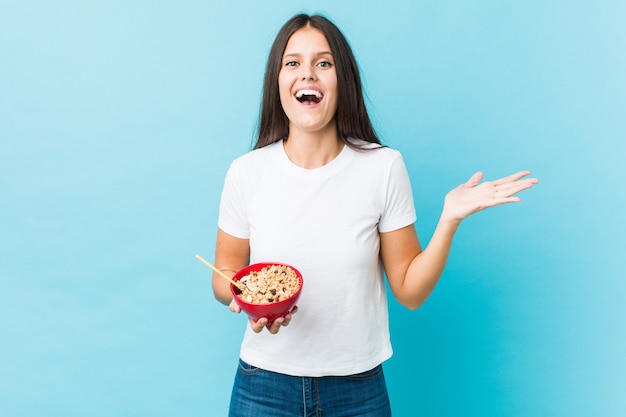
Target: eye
<point>290,63</point>
<point>325,64</point>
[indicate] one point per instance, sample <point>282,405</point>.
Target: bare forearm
<point>413,273</point>
<point>221,288</point>
<point>231,254</point>
<point>426,268</point>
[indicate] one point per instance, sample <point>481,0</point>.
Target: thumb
<point>234,307</point>
<point>474,180</point>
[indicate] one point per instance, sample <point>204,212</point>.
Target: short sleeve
<point>233,217</point>
<point>399,208</point>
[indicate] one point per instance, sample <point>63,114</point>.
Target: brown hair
<point>353,122</point>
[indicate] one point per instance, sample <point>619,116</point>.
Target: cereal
<point>271,284</point>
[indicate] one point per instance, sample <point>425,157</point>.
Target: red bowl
<point>271,310</point>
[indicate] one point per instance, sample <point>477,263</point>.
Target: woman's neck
<point>310,150</point>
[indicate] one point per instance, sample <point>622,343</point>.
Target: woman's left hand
<point>258,325</point>
<point>474,196</point>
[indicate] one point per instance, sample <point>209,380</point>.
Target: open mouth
<point>309,96</point>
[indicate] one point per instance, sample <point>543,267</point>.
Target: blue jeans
<point>261,393</point>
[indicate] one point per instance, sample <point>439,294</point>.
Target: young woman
<point>321,193</point>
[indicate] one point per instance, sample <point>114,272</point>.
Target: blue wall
<point>118,121</point>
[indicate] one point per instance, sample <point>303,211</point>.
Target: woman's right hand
<point>234,307</point>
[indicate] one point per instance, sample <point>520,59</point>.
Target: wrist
<point>449,221</point>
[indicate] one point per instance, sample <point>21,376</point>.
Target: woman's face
<point>307,82</point>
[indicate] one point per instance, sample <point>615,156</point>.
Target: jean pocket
<point>247,369</point>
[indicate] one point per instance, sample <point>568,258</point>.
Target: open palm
<point>474,196</point>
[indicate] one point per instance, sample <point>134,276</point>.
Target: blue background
<point>118,121</point>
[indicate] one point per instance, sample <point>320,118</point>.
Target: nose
<point>308,73</point>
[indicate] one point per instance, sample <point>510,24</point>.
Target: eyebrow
<point>296,54</point>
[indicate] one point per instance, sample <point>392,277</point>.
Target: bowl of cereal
<point>267,289</point>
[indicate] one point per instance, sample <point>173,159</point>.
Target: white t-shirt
<point>326,223</point>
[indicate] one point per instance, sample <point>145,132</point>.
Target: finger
<point>287,319</point>
<point>509,189</point>
<point>511,178</point>
<point>474,180</point>
<point>258,325</point>
<point>499,201</point>
<point>503,200</point>
<point>275,326</point>
<point>234,307</point>
<point>289,315</point>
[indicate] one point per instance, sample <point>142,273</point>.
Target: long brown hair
<point>353,122</point>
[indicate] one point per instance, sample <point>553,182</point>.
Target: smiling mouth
<point>309,96</point>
